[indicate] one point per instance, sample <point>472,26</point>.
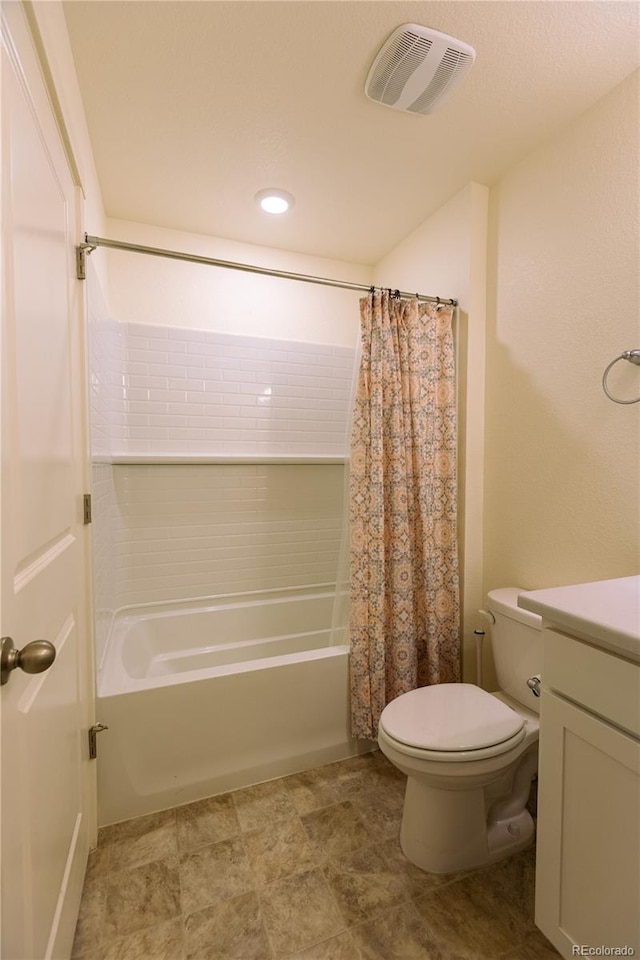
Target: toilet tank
<point>516,641</point>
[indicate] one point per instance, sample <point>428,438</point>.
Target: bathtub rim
<point>326,588</point>
<point>111,681</point>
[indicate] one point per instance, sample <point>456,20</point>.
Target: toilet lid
<point>450,717</point>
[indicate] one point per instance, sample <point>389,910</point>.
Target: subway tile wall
<point>171,532</point>
<point>103,541</point>
<point>197,391</point>
<point>202,530</point>
<point>106,359</point>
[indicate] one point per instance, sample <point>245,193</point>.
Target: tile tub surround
<point>171,531</point>
<point>307,867</point>
<point>158,390</point>
<point>198,530</point>
<point>200,390</point>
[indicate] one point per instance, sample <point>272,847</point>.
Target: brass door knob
<point>36,657</point>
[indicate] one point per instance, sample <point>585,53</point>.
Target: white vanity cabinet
<point>588,844</point>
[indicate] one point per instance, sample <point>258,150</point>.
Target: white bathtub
<point>200,699</point>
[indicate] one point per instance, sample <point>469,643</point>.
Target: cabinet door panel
<point>588,868</point>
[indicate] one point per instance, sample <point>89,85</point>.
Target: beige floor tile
<point>206,821</point>
<point>141,897</point>
<point>232,930</point>
<point>365,882</point>
<point>337,829</point>
<point>398,933</point>
<point>162,942</point>
<point>99,862</point>
<point>89,927</point>
<point>279,850</point>
<point>354,766</point>
<point>341,947</point>
<point>216,872</point>
<point>509,888</point>
<point>418,882</point>
<point>314,789</point>
<point>386,770</point>
<point>376,877</point>
<point>298,912</point>
<point>261,805</point>
<point>322,786</point>
<point>139,841</point>
<point>280,870</point>
<point>381,812</point>
<point>464,923</point>
<point>373,774</point>
<point>535,947</point>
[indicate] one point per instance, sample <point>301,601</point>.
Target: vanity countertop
<point>605,612</point>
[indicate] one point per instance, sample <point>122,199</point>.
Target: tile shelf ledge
<point>221,458</point>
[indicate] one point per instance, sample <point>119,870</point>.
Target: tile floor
<point>307,867</point>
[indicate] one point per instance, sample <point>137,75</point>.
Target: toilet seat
<point>451,722</point>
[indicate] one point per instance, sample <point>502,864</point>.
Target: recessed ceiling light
<point>274,201</point>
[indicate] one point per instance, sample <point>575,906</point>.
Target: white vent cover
<point>417,68</point>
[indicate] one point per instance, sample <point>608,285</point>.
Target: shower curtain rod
<point>91,243</point>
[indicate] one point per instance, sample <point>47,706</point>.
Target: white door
<point>44,758</point>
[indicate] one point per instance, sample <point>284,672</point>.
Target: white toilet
<point>470,755</point>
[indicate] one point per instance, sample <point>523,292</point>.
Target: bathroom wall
<point>446,257</point>
<point>146,289</point>
<point>562,461</point>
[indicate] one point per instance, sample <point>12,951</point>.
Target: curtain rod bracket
<point>82,250</point>
<point>88,246</point>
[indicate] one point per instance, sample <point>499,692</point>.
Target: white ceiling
<point>192,107</point>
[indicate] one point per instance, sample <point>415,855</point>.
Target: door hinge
<point>81,262</point>
<point>93,732</point>
<point>86,508</point>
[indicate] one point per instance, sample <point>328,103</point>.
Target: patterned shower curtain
<point>405,618</point>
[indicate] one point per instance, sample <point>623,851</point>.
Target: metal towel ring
<point>633,356</point>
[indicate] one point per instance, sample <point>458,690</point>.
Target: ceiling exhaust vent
<point>418,68</point>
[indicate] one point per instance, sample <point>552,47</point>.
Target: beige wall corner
<point>562,462</point>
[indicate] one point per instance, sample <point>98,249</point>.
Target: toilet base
<point>444,831</point>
